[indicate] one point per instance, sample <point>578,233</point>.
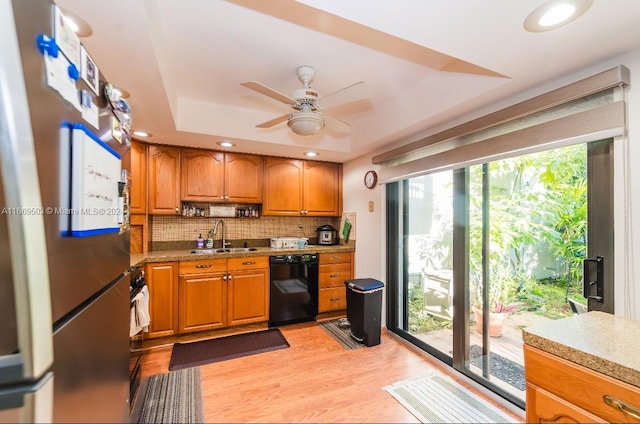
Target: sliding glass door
<point>480,253</point>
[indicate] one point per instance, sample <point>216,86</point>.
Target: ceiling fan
<point>307,118</point>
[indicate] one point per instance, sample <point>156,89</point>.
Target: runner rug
<point>185,355</point>
<point>439,399</point>
<point>175,397</point>
<point>340,330</point>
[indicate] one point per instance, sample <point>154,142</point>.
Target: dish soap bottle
<point>200,242</point>
<point>209,242</point>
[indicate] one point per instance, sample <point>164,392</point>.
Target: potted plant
<point>501,292</point>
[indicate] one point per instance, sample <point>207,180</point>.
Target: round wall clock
<point>370,179</point>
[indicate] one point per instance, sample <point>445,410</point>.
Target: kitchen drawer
<point>335,258</point>
<point>548,406</point>
<point>202,266</point>
<point>580,386</point>
<point>333,275</point>
<point>256,262</point>
<point>332,299</point>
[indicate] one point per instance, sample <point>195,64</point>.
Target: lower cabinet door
<point>162,280</point>
<point>202,302</point>
<point>248,296</point>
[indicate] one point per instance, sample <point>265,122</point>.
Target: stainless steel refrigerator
<point>64,298</point>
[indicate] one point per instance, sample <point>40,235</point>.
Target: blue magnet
<point>73,72</point>
<point>47,45</point>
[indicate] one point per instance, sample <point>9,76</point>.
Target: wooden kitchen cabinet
<point>296,187</point>
<point>322,189</point>
<point>562,391</point>
<point>162,282</point>
<point>163,164</point>
<point>202,175</point>
<point>202,295</point>
<point>333,270</point>
<point>138,190</point>
<point>217,293</point>
<point>248,290</point>
<point>209,176</point>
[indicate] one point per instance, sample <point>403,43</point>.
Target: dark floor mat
<point>185,355</point>
<point>500,367</point>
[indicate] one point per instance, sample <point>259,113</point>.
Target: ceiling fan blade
<point>273,122</point>
<point>336,124</point>
<point>348,94</point>
<point>263,89</point>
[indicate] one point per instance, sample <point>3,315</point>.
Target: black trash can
<point>364,309</point>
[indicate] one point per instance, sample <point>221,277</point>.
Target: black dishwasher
<point>293,289</point>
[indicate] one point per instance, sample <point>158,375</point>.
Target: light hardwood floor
<point>315,380</point>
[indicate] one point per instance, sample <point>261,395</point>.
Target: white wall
<point>370,254</point>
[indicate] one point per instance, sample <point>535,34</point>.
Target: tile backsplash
<point>178,228</point>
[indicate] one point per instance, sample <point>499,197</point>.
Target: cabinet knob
<point>224,277</point>
<point>226,197</point>
<point>177,210</point>
<point>229,277</point>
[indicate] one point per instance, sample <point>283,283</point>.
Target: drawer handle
<point>203,266</point>
<point>334,299</point>
<point>248,263</point>
<point>335,257</point>
<point>334,275</point>
<point>627,409</point>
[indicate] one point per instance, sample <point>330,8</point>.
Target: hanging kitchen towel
<point>139,319</point>
<point>346,229</point>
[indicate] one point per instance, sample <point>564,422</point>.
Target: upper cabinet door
<point>243,178</point>
<point>164,180</point>
<point>282,187</point>
<point>322,189</point>
<point>202,175</point>
<point>138,193</point>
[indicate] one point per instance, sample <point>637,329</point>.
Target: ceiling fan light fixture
<point>306,123</point>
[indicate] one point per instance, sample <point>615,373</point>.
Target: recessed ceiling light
<point>225,144</point>
<point>311,154</point>
<point>555,13</point>
<point>143,133</point>
<point>77,24</point>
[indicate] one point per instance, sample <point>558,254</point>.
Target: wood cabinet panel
<point>138,191</point>
<point>202,175</point>
<point>282,187</point>
<point>332,299</point>
<point>202,303</point>
<point>162,281</point>
<point>295,187</point>
<point>163,165</point>
<point>322,189</point>
<point>248,296</point>
<point>203,266</point>
<point>333,271</point>
<point>243,178</point>
<point>581,387</point>
<point>550,408</point>
<point>334,275</point>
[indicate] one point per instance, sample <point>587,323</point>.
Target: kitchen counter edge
<point>596,340</point>
<point>186,255</point>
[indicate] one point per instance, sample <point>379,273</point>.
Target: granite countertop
<point>186,255</point>
<point>596,340</point>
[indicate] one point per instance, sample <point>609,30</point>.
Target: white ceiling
<point>425,62</point>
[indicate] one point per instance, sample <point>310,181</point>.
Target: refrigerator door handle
<point>24,208</point>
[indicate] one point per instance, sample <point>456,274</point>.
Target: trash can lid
<point>364,284</point>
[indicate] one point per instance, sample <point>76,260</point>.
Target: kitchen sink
<point>230,250</point>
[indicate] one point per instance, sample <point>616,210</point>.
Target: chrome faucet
<point>214,231</point>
